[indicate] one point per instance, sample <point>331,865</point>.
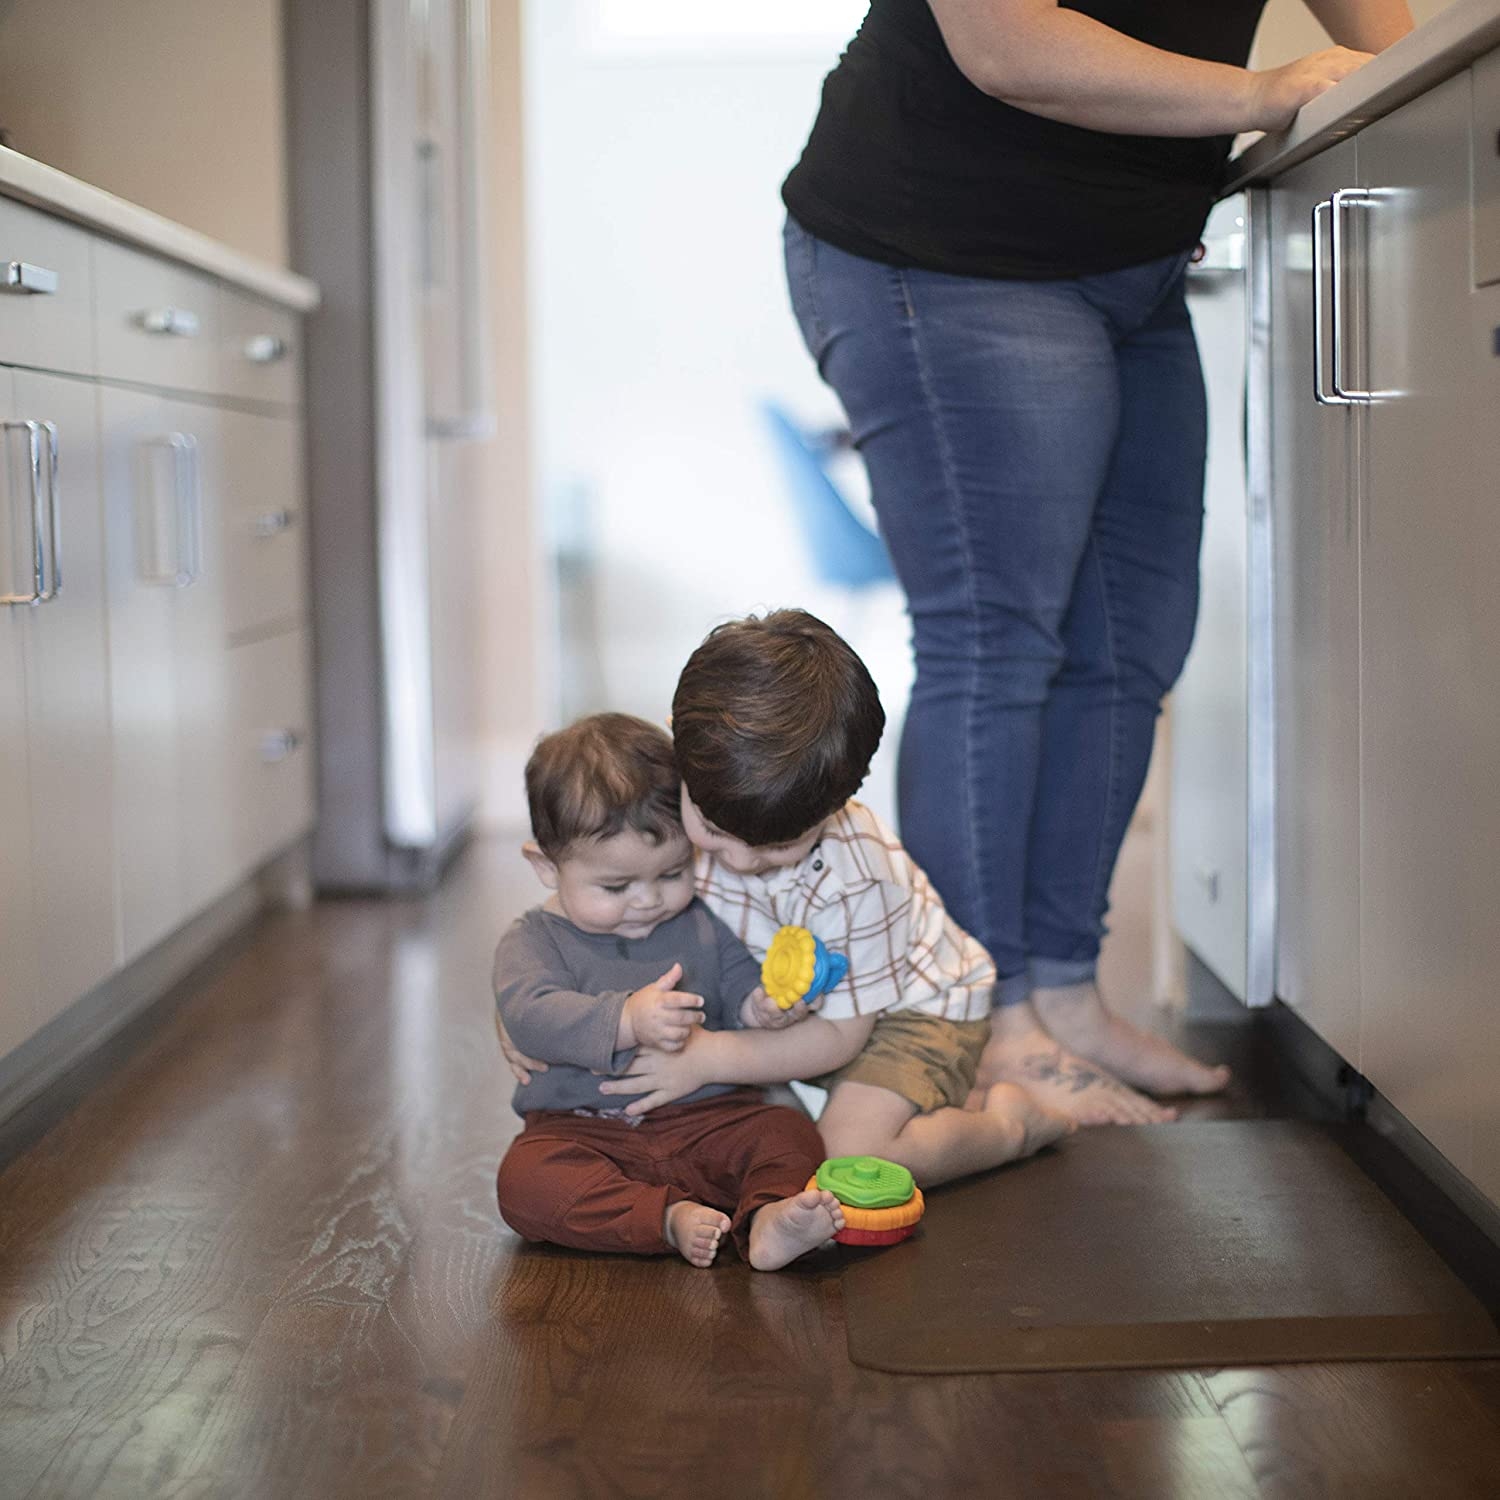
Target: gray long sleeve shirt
<point>560,992</point>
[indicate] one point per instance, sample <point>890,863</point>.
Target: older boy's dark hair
<point>599,776</point>
<point>774,722</point>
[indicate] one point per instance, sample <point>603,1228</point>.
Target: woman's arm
<point>1369,25</point>
<point>1069,67</point>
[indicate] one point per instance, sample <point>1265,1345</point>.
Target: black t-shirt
<point>910,164</point>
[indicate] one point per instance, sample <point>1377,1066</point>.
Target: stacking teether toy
<point>881,1203</point>
<point>799,967</point>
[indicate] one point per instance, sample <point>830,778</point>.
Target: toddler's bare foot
<point>1020,1052</point>
<point>1079,1019</point>
<point>1040,1124</point>
<point>780,1232</point>
<point>694,1232</point>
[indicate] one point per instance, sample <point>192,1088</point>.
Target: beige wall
<point>173,104</point>
<point>516,650</point>
<point>1287,30</point>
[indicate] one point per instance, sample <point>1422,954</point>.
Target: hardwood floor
<point>254,1251</point>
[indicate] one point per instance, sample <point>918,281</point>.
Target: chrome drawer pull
<point>266,349</point>
<point>23,280</point>
<point>187,529</point>
<point>279,744</point>
<point>272,523</point>
<point>176,322</point>
<point>43,549</point>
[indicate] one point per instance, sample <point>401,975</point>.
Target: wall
<point>173,104</point>
<point>516,655</point>
<point>1288,30</point>
<point>660,319</point>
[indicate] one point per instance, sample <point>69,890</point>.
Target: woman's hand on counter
<point>1279,93</point>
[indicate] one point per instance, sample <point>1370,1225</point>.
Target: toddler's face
<point>624,885</point>
<point>735,854</point>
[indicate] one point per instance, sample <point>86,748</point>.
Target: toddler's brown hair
<point>600,775</point>
<point>775,720</point>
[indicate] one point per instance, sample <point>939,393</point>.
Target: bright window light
<point>670,25</point>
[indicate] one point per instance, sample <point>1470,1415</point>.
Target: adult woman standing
<point>985,247</point>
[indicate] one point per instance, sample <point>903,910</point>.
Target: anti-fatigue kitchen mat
<point>1241,1242</point>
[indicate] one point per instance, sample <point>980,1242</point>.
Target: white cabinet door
<point>1430,841</point>
<point>200,660</point>
<point>168,690</point>
<point>1316,590</point>
<point>18,956</point>
<point>67,713</point>
<point>264,523</point>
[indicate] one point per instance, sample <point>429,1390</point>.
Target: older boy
<point>592,974</point>
<point>774,723</point>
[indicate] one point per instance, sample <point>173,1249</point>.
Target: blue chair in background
<point>845,551</point>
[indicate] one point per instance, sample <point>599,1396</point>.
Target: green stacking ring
<point>866,1181</point>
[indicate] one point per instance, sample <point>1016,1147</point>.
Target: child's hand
<point>659,1016</point>
<point>658,1077</point>
<point>521,1065</point>
<point>760,1011</point>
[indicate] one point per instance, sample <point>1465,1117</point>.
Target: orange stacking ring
<point>882,1223</point>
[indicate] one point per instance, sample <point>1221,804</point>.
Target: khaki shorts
<point>928,1061</point>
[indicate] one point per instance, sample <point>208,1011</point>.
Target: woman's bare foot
<point>780,1232</point>
<point>1079,1019</point>
<point>694,1232</point>
<point>1040,1124</point>
<point>1021,1052</point>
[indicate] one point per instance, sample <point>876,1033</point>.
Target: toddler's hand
<point>659,1016</point>
<point>760,1011</point>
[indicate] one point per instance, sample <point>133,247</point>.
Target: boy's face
<point>626,885</point>
<point>735,854</point>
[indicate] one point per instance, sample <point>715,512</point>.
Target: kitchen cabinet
<point>1314,465</point>
<point>1387,554</point>
<point>169,689</point>
<point>1429,862</point>
<point>154,657</point>
<point>57,915</point>
<point>67,713</point>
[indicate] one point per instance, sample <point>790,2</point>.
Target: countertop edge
<point>40,186</point>
<point>1431,54</point>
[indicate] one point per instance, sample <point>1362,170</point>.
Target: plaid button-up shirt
<point>864,896</point>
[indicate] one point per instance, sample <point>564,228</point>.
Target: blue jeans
<point>1036,453</point>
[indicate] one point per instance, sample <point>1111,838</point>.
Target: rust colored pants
<point>600,1184</point>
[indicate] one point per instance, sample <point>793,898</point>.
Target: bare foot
<point>694,1232</point>
<point>1040,1124</point>
<point>1020,1052</point>
<point>1079,1019</point>
<point>780,1232</point>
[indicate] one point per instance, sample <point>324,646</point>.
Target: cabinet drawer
<point>158,322</point>
<point>46,292</point>
<point>1484,146</point>
<point>259,350</point>
<point>264,519</point>
<point>271,749</point>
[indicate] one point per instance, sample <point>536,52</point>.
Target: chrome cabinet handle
<point>1337,204</point>
<point>24,280</point>
<point>176,322</point>
<point>54,530</point>
<point>272,523</point>
<point>187,541</point>
<point>278,745</point>
<point>45,554</point>
<point>1321,393</point>
<point>266,348</point>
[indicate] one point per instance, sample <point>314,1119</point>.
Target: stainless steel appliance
<point>387,137</point>
<point>1223,754</point>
